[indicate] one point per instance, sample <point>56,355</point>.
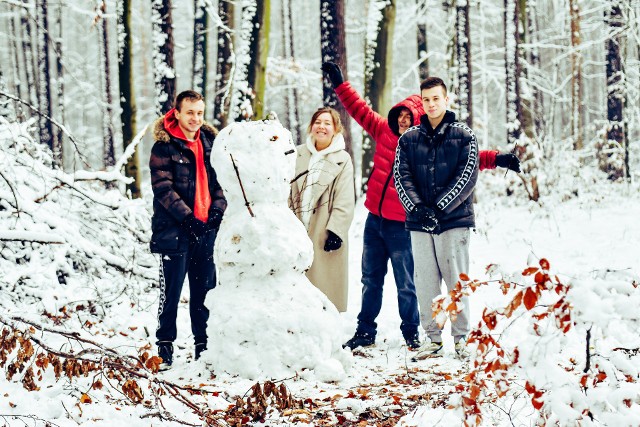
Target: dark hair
<point>191,95</point>
<point>337,123</point>
<point>430,82</point>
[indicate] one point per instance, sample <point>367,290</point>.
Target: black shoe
<point>360,339</point>
<point>165,351</point>
<point>200,347</point>
<point>413,341</point>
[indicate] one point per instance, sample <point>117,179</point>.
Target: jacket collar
<point>160,134</point>
<point>449,117</point>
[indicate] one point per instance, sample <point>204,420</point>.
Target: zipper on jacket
<point>384,190</point>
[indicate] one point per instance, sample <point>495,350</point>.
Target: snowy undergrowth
<point>74,257</point>
<point>66,240</point>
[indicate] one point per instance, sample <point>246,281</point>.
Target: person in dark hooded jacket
<point>188,204</point>
<point>385,237</point>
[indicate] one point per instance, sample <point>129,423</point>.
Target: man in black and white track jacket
<point>435,171</point>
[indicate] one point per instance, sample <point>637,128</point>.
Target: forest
<point>555,81</point>
<point>554,271</point>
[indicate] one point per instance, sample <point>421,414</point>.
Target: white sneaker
<point>462,350</point>
<point>427,350</point>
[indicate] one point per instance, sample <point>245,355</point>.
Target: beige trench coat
<point>333,199</point>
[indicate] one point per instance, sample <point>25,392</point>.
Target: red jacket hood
<point>414,104</point>
<point>171,125</point>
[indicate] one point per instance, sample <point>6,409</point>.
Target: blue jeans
<point>383,240</point>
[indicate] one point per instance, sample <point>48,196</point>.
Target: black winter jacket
<point>173,180</point>
<point>438,169</point>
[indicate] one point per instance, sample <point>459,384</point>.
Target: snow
<point>99,282</point>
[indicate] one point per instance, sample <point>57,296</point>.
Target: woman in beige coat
<point>323,198</point>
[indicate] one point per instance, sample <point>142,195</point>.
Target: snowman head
<point>261,155</point>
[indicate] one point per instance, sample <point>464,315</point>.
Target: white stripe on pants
<point>437,257</point>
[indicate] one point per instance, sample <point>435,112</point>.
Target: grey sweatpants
<point>440,257</point>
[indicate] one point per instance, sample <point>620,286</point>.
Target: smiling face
<point>405,120</point>
<point>190,116</point>
<point>434,102</point>
<point>322,130</point>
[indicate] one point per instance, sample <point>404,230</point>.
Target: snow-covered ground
<point>581,238</point>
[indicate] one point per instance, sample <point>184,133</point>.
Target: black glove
<point>333,242</point>
<point>509,161</point>
<point>426,216</point>
<point>333,72</point>
<point>194,226</point>
<point>215,218</point>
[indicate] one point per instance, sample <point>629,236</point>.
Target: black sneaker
<point>360,339</point>
<point>200,347</point>
<point>413,342</point>
<point>165,351</point>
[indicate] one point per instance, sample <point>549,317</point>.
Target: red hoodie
<point>382,197</point>
<point>202,201</point>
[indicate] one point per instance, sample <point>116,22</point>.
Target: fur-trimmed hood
<point>160,134</point>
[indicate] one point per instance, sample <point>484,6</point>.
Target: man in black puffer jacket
<point>188,205</point>
<point>435,171</point>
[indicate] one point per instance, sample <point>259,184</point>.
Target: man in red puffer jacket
<point>385,237</point>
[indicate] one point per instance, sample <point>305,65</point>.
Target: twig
<point>588,364</point>
<point>12,190</point>
<point>52,120</point>
<point>244,195</point>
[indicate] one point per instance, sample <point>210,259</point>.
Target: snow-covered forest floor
<point>77,280</point>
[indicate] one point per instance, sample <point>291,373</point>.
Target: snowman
<point>266,319</point>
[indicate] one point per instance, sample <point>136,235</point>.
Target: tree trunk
<point>332,48</point>
<point>463,53</point>
<point>127,96</point>
<point>377,75</point>
<point>259,50</point>
<point>614,153</point>
<point>59,135</point>
<point>15,37</point>
<point>576,76</point>
<point>292,118</point>
<point>163,63</point>
<point>108,153</point>
<point>512,72</point>
<point>224,65</point>
<point>423,66</point>
<point>44,81</point>
<point>241,92</point>
<point>29,60</point>
<point>199,79</point>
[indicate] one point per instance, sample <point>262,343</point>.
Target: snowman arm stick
<point>244,195</point>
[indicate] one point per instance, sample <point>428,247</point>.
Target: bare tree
<point>224,64</point>
<point>163,62</point>
<point>127,95</point>
<point>512,71</point>
<point>258,52</point>
<point>332,48</point>
<point>423,67</point>
<point>59,135</point>
<point>463,54</point>
<point>44,81</point>
<point>29,60</point>
<point>199,75</point>
<point>377,75</point>
<point>577,118</point>
<point>614,154</point>
<point>109,152</point>
<point>292,118</point>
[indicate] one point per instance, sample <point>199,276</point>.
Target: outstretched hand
<point>509,161</point>
<point>333,72</point>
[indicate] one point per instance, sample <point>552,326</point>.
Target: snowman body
<point>266,319</point>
